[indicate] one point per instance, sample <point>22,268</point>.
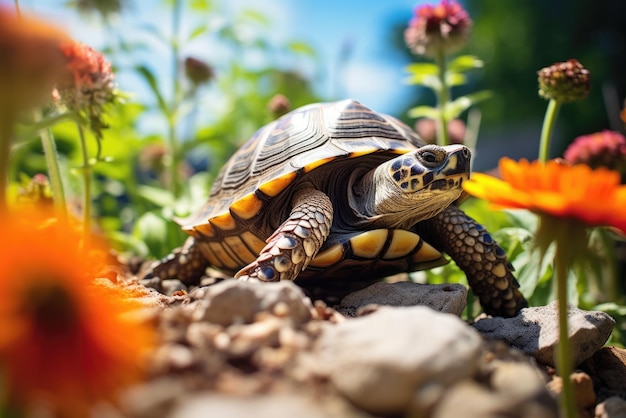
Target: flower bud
<point>564,81</point>
<point>279,105</point>
<point>197,71</point>
<point>445,26</point>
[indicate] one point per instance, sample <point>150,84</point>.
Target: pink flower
<point>445,26</point>
<point>601,149</point>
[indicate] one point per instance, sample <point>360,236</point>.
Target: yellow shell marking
<point>426,253</point>
<point>369,244</point>
<point>222,256</point>
<point>317,163</point>
<point>362,152</point>
<point>209,255</point>
<point>205,229</point>
<point>273,187</point>
<point>253,242</point>
<point>401,151</point>
<point>247,207</point>
<point>329,257</point>
<point>239,248</point>
<point>402,243</point>
<point>224,221</point>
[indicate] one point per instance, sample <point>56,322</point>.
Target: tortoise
<point>338,193</point>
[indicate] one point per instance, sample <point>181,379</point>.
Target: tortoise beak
<point>458,161</point>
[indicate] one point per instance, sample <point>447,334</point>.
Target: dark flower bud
<point>564,81</point>
<point>198,72</point>
<point>445,26</point>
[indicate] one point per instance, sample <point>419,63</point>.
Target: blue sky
<point>373,74</point>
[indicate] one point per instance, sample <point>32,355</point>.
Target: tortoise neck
<point>379,201</point>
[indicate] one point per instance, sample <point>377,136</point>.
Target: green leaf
<point>455,79</point>
<point>127,243</point>
<point>200,5</point>
<point>464,63</point>
<point>424,112</point>
<point>425,68</point>
<point>423,73</point>
<point>301,48</point>
<point>157,196</point>
<point>611,308</point>
<point>150,78</point>
<point>198,31</point>
<point>522,218</point>
<point>459,105</point>
<point>152,230</point>
<point>255,16</point>
<point>428,80</point>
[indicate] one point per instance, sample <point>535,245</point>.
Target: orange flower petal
<point>594,197</point>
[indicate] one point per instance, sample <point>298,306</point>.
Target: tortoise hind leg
<point>488,271</point>
<point>294,244</point>
<point>186,263</point>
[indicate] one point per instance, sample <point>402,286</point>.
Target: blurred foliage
<point>134,197</point>
<point>516,38</point>
<point>596,287</point>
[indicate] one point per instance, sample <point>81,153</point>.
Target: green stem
<point>564,353</point>
<point>6,132</point>
<point>174,164</point>
<point>86,172</point>
<point>54,173</point>
<point>443,96</point>
<point>546,131</point>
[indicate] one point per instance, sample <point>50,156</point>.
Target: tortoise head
<point>420,184</point>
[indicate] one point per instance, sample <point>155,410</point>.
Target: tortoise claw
<point>255,272</point>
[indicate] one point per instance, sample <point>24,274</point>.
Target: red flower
<point>89,85</point>
<point>445,26</point>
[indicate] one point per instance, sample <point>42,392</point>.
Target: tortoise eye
<point>430,158</point>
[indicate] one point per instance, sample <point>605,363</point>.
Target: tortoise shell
<point>251,195</point>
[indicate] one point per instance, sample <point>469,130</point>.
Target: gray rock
<point>535,331</point>
<point>170,286</point>
<point>613,407</point>
<point>266,406</point>
<point>607,367</point>
<point>234,301</point>
<point>450,298</point>
<point>379,361</point>
<point>468,399</point>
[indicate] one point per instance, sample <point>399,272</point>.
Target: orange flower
<point>594,197</point>
<point>64,342</point>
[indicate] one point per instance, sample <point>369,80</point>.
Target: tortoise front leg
<point>186,264</point>
<point>488,271</point>
<point>294,244</point>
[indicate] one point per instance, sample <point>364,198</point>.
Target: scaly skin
<point>186,263</point>
<point>489,273</point>
<point>294,244</point>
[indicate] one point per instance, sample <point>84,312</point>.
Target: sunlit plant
<point>437,33</point>
<point>569,199</point>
